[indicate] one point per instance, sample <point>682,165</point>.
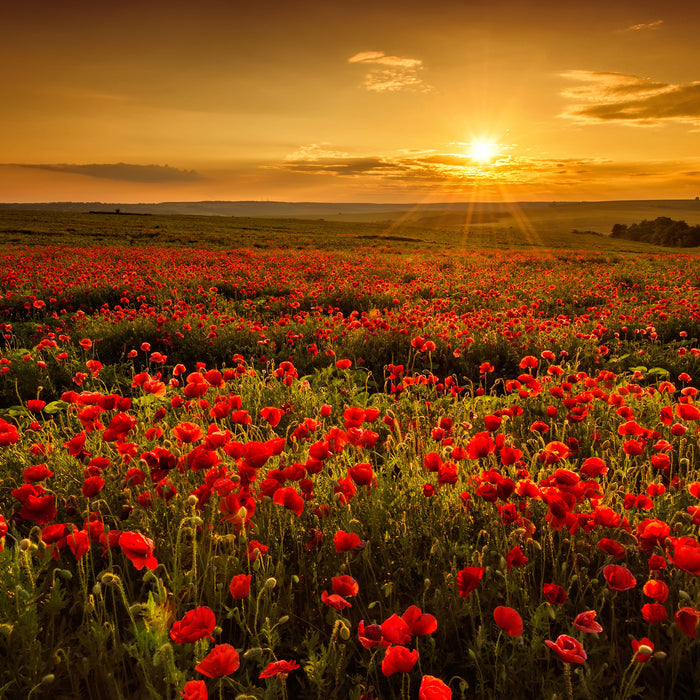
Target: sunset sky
<point>352,100</point>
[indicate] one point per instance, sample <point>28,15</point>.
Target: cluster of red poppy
<point>541,457</point>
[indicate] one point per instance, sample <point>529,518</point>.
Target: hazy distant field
<point>582,226</point>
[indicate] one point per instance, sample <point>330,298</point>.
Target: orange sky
<point>377,101</point>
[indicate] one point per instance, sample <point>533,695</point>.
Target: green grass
<point>562,226</point>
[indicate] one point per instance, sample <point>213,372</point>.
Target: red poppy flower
<point>92,486</point>
<point>569,650</point>
<point>654,612</point>
<point>528,362</point>
<point>554,593</point>
<point>481,445</point>
<point>345,585</point>
<point>370,636</point>
<point>37,505</point>
<point>398,659</point>
<point>633,447</point>
<point>594,466</point>
<point>257,453</point>
<point>656,590</point>
<point>272,415</point>
<point>468,579</point>
<point>508,620</point>
<point>79,543</point>
<point>196,624</point>
<point>656,563</point>
<point>585,622</point>
<point>289,498</point>
<point>240,586</point>
<point>687,411</point>
<point>188,432</point>
<point>686,554</point>
<point>516,558</point>
<point>220,661</point>
<point>36,473</point>
<point>492,423</point>
<point>362,474</point>
<point>419,623</point>
<point>432,688</point>
<point>278,669</point>
<point>343,364</point>
<point>554,451</point>
<point>643,649</point>
<point>687,619</point>
<point>335,601</point>
<point>619,578</point>
<point>36,405</point>
<point>395,630</point>
<point>347,541</point>
<point>255,550</point>
<point>194,690</point>
<point>612,547</point>
<point>8,433</point>
<point>652,531</point>
<point>138,549</point>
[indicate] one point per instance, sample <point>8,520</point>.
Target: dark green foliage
<point>662,231</point>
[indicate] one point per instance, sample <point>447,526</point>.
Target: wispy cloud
<point>124,172</point>
<point>391,73</point>
<point>453,171</point>
<point>428,166</point>
<point>644,26</point>
<point>630,99</point>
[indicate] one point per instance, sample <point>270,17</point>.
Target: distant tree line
<point>660,231</point>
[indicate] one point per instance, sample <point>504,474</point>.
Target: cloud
<point>445,169</point>
<point>450,171</point>
<point>383,60</point>
<point>124,172</point>
<point>629,99</point>
<point>641,27</point>
<point>391,73</point>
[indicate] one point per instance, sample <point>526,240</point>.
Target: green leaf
<point>55,407</point>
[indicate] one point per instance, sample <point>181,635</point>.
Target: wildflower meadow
<point>302,473</point>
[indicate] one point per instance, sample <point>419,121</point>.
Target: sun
<point>483,151</point>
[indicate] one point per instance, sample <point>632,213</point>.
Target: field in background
<point>577,226</point>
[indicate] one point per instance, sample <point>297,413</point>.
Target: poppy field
<point>348,473</point>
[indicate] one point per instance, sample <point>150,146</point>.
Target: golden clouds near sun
<point>483,151</point>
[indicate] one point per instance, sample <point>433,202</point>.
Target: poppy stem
<point>569,686</point>
<point>406,687</point>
